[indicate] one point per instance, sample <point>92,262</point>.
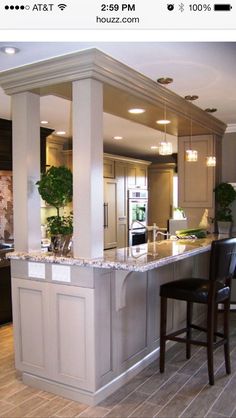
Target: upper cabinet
<point>6,145</point>
<point>54,153</point>
<point>137,176</point>
<point>135,171</point>
<point>108,168</point>
<point>196,180</point>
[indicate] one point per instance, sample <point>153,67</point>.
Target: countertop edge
<point>130,265</point>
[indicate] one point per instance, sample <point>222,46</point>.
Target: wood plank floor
<point>182,391</point>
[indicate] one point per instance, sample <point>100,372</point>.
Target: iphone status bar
<point>94,14</point>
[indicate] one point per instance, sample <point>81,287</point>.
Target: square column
<point>26,171</point>
<point>88,168</point>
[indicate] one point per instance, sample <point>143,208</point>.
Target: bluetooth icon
<point>181,7</point>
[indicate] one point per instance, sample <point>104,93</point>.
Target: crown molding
<point>44,76</point>
<point>231,128</point>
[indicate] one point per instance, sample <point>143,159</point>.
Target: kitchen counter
<point>83,328</point>
<point>139,258</point>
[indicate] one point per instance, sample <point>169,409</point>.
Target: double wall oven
<point>137,211</point>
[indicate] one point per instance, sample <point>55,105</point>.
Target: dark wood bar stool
<point>211,291</point>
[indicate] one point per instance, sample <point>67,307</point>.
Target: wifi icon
<point>62,6</point>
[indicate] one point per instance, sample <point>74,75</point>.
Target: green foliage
<point>56,186</point>
<point>60,225</point>
<point>225,195</point>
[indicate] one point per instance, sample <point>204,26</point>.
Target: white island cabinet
<point>84,327</point>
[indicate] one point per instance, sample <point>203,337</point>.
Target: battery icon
<point>222,7</point>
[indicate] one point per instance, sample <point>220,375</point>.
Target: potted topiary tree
<point>225,196</point>
<point>56,189</point>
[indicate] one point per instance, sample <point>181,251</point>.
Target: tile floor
<point>182,391</point>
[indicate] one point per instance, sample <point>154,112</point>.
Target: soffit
<point>123,88</point>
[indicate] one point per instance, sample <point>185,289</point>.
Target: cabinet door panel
<point>131,176</point>
<point>133,318</point>
<point>141,177</point>
<point>194,193</point>
<point>137,176</point>
<point>160,196</point>
<point>108,168</point>
<point>31,326</point>
<point>72,316</point>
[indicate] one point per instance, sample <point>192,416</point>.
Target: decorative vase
<point>224,227</point>
<point>61,244</point>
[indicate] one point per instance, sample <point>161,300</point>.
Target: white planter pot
<point>224,228</point>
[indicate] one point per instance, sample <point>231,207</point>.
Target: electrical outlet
<point>61,273</point>
<point>36,270</point>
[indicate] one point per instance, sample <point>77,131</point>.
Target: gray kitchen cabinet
<point>31,326</point>
<point>53,331</point>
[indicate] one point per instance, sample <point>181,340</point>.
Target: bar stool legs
<point>226,337</point>
<point>210,340</point>
<point>163,314</point>
<point>189,329</point>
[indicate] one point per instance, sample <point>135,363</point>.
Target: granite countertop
<point>138,258</point>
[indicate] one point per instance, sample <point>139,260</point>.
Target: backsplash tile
<point>6,205</point>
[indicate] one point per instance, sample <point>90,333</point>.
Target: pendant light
<point>165,147</point>
<point>191,155</point>
<point>211,159</point>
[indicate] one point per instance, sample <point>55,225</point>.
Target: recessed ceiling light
<point>9,50</point>
<point>117,137</point>
<point>165,80</point>
<point>191,98</point>
<point>60,133</point>
<point>136,111</point>
<point>44,122</point>
<point>163,122</point>
<point>154,147</point>
<point>211,110</point>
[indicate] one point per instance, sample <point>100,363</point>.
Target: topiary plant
<point>56,188</point>
<point>225,195</point>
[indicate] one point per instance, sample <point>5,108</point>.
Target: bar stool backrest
<point>222,259</point>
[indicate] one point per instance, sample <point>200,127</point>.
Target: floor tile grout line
<point>186,384</point>
<point>66,406</point>
<point>223,389</point>
<point>190,377</point>
<point>177,371</point>
<point>232,415</point>
<point>21,403</point>
<point>143,392</point>
<point>204,388</point>
<point>146,400</point>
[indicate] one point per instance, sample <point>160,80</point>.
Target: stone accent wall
<point>6,205</point>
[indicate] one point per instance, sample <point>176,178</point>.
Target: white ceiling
<point>203,69</point>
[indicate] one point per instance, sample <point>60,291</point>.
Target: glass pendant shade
<point>165,148</point>
<point>211,161</point>
<point>191,155</point>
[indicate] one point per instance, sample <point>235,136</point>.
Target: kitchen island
<point>82,327</point>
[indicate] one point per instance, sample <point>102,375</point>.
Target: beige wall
<point>229,157</point>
